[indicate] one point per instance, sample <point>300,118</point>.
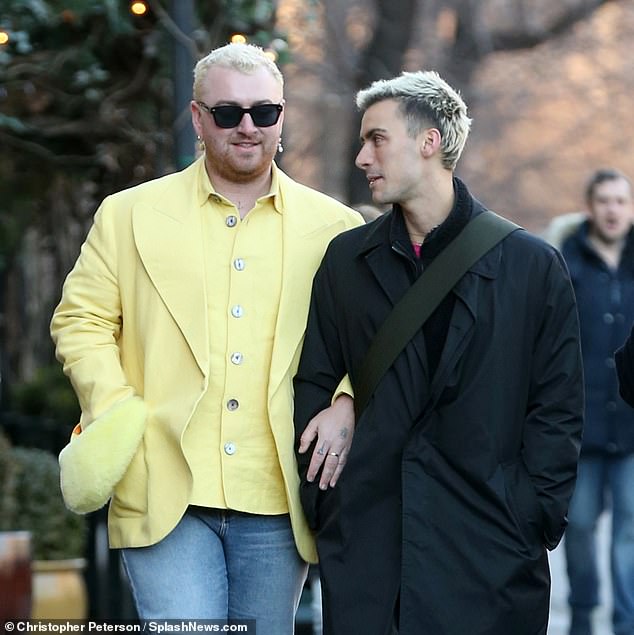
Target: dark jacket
<point>624,358</point>
<point>605,301</point>
<point>455,482</point>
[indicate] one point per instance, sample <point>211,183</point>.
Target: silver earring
<point>280,147</point>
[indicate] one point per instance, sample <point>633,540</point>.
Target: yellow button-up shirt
<point>230,447</point>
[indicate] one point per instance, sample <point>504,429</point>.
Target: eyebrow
<point>230,102</point>
<point>372,132</point>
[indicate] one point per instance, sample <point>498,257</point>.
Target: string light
<point>138,8</point>
<point>238,38</point>
<point>4,37</point>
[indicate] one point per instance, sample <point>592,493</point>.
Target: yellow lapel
<point>168,236</point>
<point>307,230</point>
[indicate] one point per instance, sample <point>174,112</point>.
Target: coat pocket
<point>522,501</point>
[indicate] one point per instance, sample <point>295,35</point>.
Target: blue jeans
<point>219,564</point>
<point>597,477</point>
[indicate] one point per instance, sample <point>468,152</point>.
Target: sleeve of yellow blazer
<point>86,324</point>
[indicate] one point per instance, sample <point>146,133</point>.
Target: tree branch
<point>172,28</point>
<point>510,40</point>
<point>40,151</point>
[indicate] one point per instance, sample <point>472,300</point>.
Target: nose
<point>246,123</point>
<point>363,157</point>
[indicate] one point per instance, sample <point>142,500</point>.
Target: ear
<point>196,115</point>
<point>429,142</point>
<point>280,121</point>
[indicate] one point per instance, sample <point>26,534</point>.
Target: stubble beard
<point>241,170</point>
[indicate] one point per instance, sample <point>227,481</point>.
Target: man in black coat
<point>463,463</point>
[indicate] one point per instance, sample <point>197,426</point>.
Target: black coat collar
<point>384,231</point>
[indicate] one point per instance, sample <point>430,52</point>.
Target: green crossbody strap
<point>479,236</point>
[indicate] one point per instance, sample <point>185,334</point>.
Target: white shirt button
<point>237,311</point>
<point>231,221</point>
<point>236,358</point>
<point>230,448</point>
<point>238,264</point>
<point>233,404</point>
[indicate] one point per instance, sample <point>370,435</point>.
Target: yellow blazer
<point>133,321</point>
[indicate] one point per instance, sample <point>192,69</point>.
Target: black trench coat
<point>454,487</point>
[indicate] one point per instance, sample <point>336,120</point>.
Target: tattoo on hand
<point>343,433</point>
<point>322,450</point>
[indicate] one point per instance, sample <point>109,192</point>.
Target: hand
<point>334,428</point>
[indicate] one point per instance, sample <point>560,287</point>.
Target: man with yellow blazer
<point>185,312</point>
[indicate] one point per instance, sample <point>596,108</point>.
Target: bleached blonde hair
<point>425,99</point>
<point>246,58</point>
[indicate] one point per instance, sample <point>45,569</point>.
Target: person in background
<point>599,252</point>
<point>463,462</point>
<point>191,293</point>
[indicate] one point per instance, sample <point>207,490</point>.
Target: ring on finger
<point>333,454</point>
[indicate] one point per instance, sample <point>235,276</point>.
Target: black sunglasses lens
<point>227,116</point>
<point>265,115</point>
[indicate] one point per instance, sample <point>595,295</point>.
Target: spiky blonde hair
<point>425,99</point>
<point>245,58</point>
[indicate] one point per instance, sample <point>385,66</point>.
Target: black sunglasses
<point>263,116</point>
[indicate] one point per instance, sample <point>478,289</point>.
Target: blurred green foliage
<point>30,500</point>
<point>49,394</point>
<point>86,96</point>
